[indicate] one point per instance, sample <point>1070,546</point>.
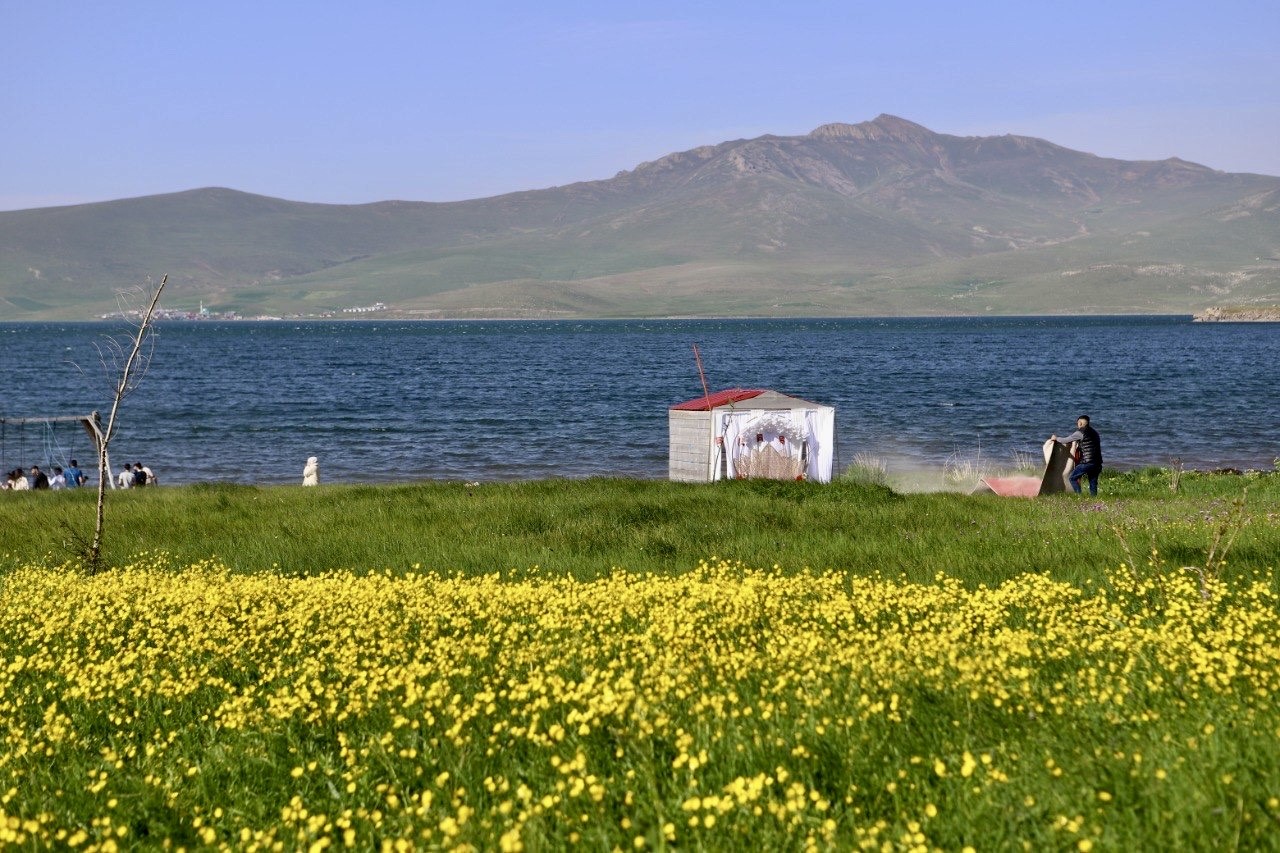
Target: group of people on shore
<point>135,476</point>
<point>72,477</point>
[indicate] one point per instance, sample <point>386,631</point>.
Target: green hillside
<point>882,217</point>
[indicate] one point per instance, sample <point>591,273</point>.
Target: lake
<point>387,401</point>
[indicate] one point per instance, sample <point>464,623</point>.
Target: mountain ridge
<point>882,216</point>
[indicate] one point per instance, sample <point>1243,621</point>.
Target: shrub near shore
<point>731,704</point>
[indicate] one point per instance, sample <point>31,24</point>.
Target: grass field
<point>621,664</point>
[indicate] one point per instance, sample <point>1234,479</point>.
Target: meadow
<point>620,664</point>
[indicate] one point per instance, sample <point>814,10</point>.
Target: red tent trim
<point>720,398</point>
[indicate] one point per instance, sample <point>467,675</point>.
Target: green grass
<point>386,663</point>
<point>584,528</point>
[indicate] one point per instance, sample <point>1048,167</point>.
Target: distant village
<point>205,314</point>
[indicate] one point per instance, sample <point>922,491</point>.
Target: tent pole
<point>706,394</point>
<point>706,397</point>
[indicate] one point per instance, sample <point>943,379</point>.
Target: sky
<point>348,103</point>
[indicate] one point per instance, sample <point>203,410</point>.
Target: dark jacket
<point>1090,445</point>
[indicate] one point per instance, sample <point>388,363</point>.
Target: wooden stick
<point>706,395</point>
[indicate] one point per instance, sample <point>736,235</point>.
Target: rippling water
<point>381,401</point>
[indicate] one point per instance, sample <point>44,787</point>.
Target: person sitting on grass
<point>1089,460</point>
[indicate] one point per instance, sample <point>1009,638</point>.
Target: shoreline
<point>912,481</point>
<point>664,318</point>
<point>1238,315</point>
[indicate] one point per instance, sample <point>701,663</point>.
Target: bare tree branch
<point>129,366</point>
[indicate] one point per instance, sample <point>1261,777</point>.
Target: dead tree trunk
<point>128,368</point>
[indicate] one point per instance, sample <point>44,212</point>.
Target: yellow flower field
<point>723,708</point>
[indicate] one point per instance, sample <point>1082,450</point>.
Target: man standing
<point>1089,462</point>
<point>39,480</point>
<point>75,477</point>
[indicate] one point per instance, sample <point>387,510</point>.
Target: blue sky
<point>434,101</point>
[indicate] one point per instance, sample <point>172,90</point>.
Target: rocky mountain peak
<point>883,128</point>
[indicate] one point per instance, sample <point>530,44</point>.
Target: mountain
<point>881,217</point>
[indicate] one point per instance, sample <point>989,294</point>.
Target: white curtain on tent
<point>751,435</point>
<point>821,425</point>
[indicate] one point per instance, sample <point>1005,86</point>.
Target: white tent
<point>745,434</point>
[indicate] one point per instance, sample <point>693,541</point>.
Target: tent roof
<point>720,398</point>
<point>759,399</point>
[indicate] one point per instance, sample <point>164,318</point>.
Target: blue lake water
<point>386,401</point>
